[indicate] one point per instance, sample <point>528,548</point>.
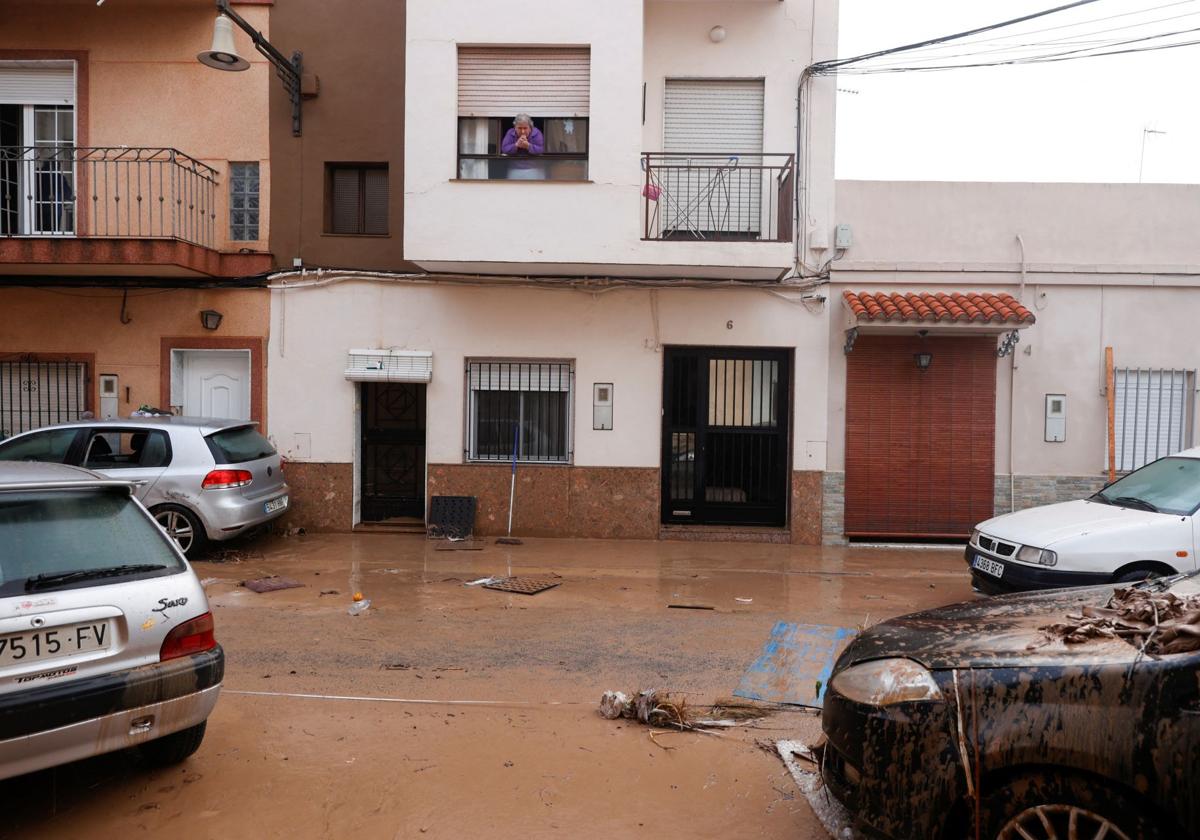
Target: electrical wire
<point>917,56</point>
<point>958,44</point>
<point>1068,55</point>
<point>1073,41</point>
<point>826,67</point>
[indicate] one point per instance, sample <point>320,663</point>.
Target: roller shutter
<point>920,446</point>
<point>541,82</point>
<point>37,83</point>
<point>718,123</point>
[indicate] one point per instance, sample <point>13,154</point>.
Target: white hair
<point>523,119</point>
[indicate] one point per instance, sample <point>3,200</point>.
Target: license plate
<point>276,504</point>
<point>54,643</point>
<point>985,564</point>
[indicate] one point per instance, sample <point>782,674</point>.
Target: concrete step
<point>725,533</point>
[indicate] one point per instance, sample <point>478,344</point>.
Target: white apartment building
<point>620,309</point>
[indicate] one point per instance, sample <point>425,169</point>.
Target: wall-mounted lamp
<point>210,319</point>
<point>717,34</point>
<point>223,56</point>
<point>923,360</point>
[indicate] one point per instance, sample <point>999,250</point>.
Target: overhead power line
<point>1048,58</point>
<point>825,67</point>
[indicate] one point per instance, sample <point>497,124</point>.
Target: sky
<point>1070,121</point>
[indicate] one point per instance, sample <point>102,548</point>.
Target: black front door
<point>393,450</point>
<point>725,436</point>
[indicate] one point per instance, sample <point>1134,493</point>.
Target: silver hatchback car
<point>203,479</point>
<point>106,638</point>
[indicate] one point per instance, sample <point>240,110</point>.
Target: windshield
<point>1169,485</point>
<point>55,532</point>
<point>237,446</point>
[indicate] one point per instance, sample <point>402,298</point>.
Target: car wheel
<point>1042,806</point>
<point>173,748</point>
<point>183,527</point>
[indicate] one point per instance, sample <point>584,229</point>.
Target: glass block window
<point>243,201</point>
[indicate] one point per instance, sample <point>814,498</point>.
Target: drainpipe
<point>1012,403</point>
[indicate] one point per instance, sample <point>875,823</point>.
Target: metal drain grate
<point>524,585</point>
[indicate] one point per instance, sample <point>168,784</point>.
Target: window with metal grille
<point>356,198</point>
<point>243,201</point>
<point>37,393</point>
<point>1154,414</point>
<point>524,407</point>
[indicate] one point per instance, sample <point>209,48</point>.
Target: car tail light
<point>282,464</point>
<point>224,479</point>
<point>192,636</point>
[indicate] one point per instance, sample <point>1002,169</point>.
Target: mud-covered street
<point>507,741</point>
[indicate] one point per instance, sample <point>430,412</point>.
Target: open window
<point>37,148</point>
<point>549,85</point>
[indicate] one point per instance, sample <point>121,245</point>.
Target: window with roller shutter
<point>920,445</point>
<point>356,198</point>
<point>549,84</point>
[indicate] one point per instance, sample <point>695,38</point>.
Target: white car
<point>106,637</point>
<point>1142,525</point>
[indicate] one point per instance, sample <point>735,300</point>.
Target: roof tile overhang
<point>969,311</point>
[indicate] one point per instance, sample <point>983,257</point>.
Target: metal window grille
<point>1154,414</point>
<point>523,404</point>
<point>35,394</point>
<point>243,201</point>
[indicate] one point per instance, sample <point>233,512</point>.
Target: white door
<point>212,383</point>
<point>715,187</point>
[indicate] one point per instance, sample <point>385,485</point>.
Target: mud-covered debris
<point>271,584</point>
<point>658,708</point>
<point>1157,623</point>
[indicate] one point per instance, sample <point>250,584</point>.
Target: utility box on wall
<point>602,406</point>
<point>1056,418</point>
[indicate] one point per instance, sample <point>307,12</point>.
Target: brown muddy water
<point>533,759</point>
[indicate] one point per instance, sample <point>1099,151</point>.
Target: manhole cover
<point>524,585</point>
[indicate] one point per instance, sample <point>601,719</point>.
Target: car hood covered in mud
<point>991,633</point>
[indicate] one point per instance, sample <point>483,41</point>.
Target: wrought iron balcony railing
<point>710,196</point>
<point>111,191</point>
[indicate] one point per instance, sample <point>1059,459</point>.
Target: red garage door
<point>920,445</point>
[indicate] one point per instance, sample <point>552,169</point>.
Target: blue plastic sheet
<point>795,664</point>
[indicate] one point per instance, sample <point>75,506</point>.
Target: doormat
<point>795,664</point>
<point>452,517</point>
<point>524,585</point>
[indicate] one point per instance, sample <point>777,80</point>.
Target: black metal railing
<point>709,196</point>
<point>110,191</point>
<point>36,393</point>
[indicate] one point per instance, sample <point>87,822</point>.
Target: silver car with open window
<point>203,479</point>
<point>106,638</point>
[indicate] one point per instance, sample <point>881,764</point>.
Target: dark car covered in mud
<point>1065,714</point>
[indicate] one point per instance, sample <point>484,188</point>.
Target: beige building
<point>133,213</point>
<point>991,424</point>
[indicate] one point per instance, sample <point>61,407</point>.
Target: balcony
<point>133,210</point>
<point>718,197</point>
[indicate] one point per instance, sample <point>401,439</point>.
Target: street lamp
<point>223,56</point>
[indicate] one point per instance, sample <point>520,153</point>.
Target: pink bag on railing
<point>652,191</point>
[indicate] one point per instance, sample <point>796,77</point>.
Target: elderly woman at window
<point>521,141</point>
